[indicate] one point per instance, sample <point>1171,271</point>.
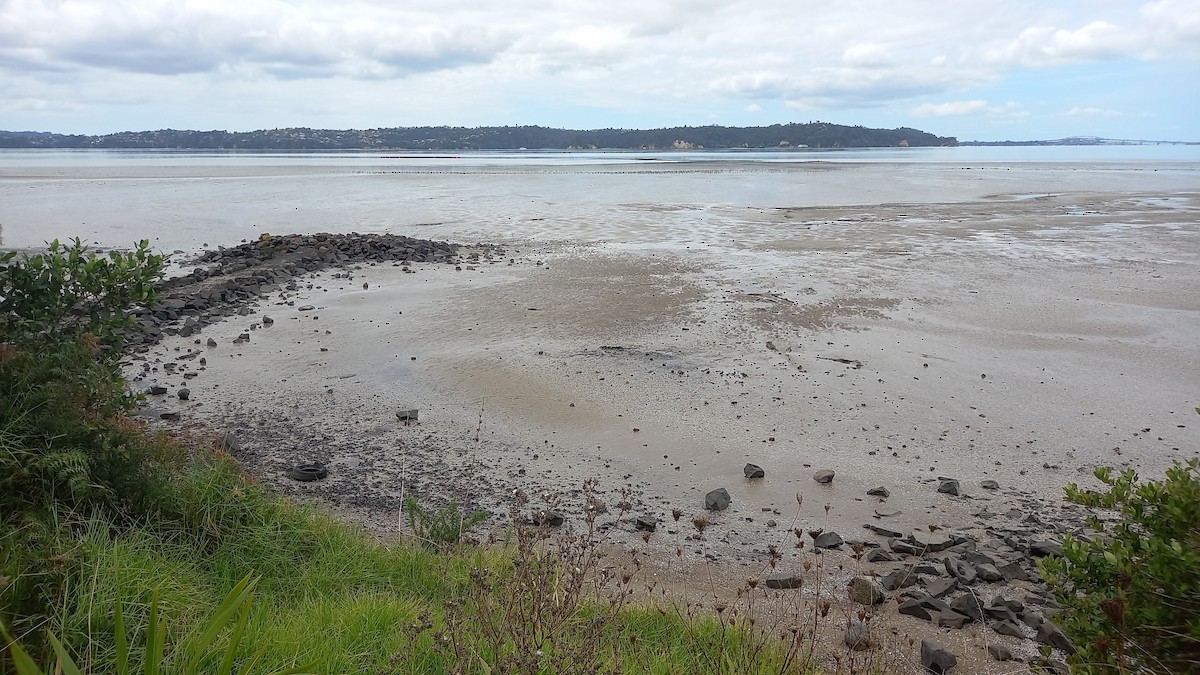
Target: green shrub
<point>443,528</point>
<point>69,291</point>
<point>1131,596</point>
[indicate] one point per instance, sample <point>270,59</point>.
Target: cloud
<point>1078,111</point>
<point>971,107</point>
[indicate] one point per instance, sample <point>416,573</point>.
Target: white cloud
<point>971,107</point>
<point>1078,111</point>
<point>753,108</point>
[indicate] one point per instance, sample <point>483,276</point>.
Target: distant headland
<point>776,136</point>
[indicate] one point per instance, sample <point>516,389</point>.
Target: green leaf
<point>65,663</point>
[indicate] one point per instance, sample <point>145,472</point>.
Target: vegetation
<point>775,136</point>
<point>1131,595</point>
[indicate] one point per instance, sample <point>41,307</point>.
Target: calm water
<point>184,200</point>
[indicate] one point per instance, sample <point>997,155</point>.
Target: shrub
<point>443,528</point>
<point>1131,596</point>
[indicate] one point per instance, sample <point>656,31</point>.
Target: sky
<point>974,69</point>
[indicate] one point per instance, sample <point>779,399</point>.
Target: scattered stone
<point>865,591</point>
<point>857,636</point>
<point>1041,664</point>
<point>915,608</point>
<point>952,619</point>
<point>717,500</point>
<point>268,321</point>
<point>960,570</point>
<point>229,443</point>
<point>1013,572</point>
<point>884,531</point>
<point>828,540</point>
<point>936,659</point>
<point>989,485</point>
<point>949,486</point>
<point>785,580</point>
<point>968,605</point>
<point>1000,652</point>
<point>1050,634</point>
<point>879,492</point>
<point>407,416</point>
<point>647,523</point>
<point>879,555</point>
<point>1008,628</point>
<point>211,342</point>
<point>1041,549</point>
<point>940,588</point>
<point>886,512</point>
<point>903,547</point>
<point>823,476</point>
<point>932,542</point>
<point>169,416</point>
<point>184,394</point>
<point>988,572</point>
<point>898,579</point>
<point>753,471</point>
<point>157,390</point>
<point>549,517</point>
<point>306,308</point>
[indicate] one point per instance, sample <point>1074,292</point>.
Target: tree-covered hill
<point>812,135</point>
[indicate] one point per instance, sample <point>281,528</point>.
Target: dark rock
<point>184,394</point>
<point>960,570</point>
<point>549,517</point>
<point>828,540</point>
<point>1000,652</point>
<point>211,342</point>
<point>968,605</point>
<point>940,588</point>
<point>879,492</point>
<point>305,308</point>
<point>927,569</point>
<point>935,659</point>
<point>865,591</point>
<point>229,443</point>
<point>784,580</point>
<point>952,619</point>
<point>717,500</point>
<point>1041,549</point>
<point>823,476</point>
<point>932,542</point>
<point>901,546</point>
<point>753,471</point>
<point>158,390</point>
<point>646,523</point>
<point>914,608</point>
<point>883,531</point>
<point>898,579</point>
<point>857,636</point>
<point>169,416</point>
<point>1008,628</point>
<point>1013,572</point>
<point>988,572</point>
<point>1011,605</point>
<point>989,485</point>
<point>1031,618</point>
<point>1041,664</point>
<point>879,555</point>
<point>949,486</point>
<point>1050,634</point>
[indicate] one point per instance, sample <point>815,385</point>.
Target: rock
<point>828,540</point>
<point>1000,652</point>
<point>823,476</point>
<point>267,321</point>
<point>886,512</point>
<point>229,442</point>
<point>211,342</point>
<point>932,542</point>
<point>967,604</point>
<point>960,570</point>
<point>784,580</point>
<point>989,484</point>
<point>865,591</point>
<point>184,394</point>
<point>927,569</point>
<point>1013,572</point>
<point>1050,634</point>
<point>158,390</point>
<point>645,523</point>
<point>879,555</point>
<point>1001,602</point>
<point>914,608</point>
<point>549,517</point>
<point>305,308</point>
<point>753,471</point>
<point>717,500</point>
<point>169,416</point>
<point>857,636</point>
<point>1041,664</point>
<point>1008,628</point>
<point>1041,549</point>
<point>935,658</point>
<point>1031,618</point>
<point>940,588</point>
<point>879,492</point>
<point>883,531</point>
<point>901,546</point>
<point>988,572</point>
<point>898,579</point>
<point>952,619</point>
<point>949,486</point>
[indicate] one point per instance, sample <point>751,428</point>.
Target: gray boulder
<point>936,659</point>
<point>717,500</point>
<point>753,471</point>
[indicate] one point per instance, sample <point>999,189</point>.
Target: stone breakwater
<point>227,281</point>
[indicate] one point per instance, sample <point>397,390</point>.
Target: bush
<point>444,528</point>
<point>1131,596</point>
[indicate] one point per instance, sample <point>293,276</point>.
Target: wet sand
<point>1024,340</point>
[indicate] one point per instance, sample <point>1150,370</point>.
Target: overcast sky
<point>975,69</point>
